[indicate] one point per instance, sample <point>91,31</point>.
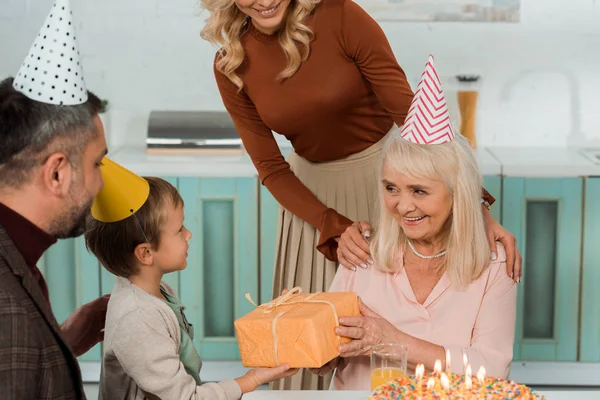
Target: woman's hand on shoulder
<point>353,248</point>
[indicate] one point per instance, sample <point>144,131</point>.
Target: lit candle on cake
<point>430,383</point>
<point>481,379</point>
<point>481,375</point>
<point>419,373</point>
<point>437,367</point>
<point>468,385</point>
<point>445,382</point>
<point>447,361</point>
<point>468,373</point>
<point>465,360</point>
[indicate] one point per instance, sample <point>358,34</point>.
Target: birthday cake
<point>452,387</point>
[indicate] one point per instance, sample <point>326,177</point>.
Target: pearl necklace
<point>412,247</point>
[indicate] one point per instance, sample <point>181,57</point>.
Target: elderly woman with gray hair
<point>433,287</point>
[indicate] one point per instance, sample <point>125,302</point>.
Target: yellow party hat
<point>124,193</point>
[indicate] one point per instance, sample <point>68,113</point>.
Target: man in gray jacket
<point>51,146</point>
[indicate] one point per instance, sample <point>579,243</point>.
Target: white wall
<point>540,78</point>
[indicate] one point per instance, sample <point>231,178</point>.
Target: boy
<point>148,348</point>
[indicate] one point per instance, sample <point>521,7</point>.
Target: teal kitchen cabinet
<point>590,293</point>
<point>222,214</point>
<point>545,215</point>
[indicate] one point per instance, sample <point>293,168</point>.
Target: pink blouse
<point>478,321</point>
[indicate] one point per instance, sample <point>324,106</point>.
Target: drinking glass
<point>388,362</point>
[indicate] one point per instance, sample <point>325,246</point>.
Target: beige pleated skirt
<point>349,186</point>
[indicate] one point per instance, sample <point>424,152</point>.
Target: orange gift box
<point>297,329</point>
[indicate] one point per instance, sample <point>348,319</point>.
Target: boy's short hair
<point>113,243</point>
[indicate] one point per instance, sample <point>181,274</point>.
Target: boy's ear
<point>143,253</point>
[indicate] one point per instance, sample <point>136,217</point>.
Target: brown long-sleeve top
<point>344,98</point>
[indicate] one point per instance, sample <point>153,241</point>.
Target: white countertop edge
<point>137,160</point>
<point>364,395</point>
<point>189,170</point>
<point>523,162</point>
<point>556,373</point>
<point>558,171</point>
<point>542,162</point>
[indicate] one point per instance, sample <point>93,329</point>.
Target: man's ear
<point>143,253</point>
<point>57,174</point>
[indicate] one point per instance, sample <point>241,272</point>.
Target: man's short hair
<point>30,131</point>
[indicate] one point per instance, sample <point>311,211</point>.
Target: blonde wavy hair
<point>227,23</point>
<point>454,163</point>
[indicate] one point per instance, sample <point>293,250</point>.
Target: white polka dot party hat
<point>428,120</point>
<point>51,72</point>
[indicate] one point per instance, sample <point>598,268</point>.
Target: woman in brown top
<point>323,75</point>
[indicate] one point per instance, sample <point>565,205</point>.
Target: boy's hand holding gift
<point>296,329</point>
<point>259,376</point>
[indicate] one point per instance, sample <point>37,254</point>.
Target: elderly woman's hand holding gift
<point>367,331</point>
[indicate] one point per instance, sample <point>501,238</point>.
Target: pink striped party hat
<point>428,120</point>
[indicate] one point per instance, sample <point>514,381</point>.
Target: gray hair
<point>31,131</point>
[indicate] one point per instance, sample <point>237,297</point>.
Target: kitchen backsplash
<point>540,78</point>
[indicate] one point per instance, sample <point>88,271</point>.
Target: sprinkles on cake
<point>457,388</point>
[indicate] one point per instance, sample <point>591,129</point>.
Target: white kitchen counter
<point>359,395</point>
<point>139,161</point>
<point>507,161</point>
<point>544,162</point>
